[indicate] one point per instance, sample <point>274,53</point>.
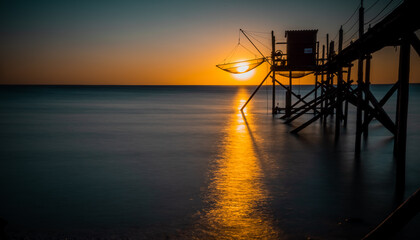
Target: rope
<point>335,37</point>
<point>352,26</point>
<point>266,94</point>
<point>233,51</point>
<point>248,50</point>
<point>383,9</point>
<point>248,31</point>
<point>378,20</point>
<point>350,38</point>
<point>253,37</point>
<point>355,11</point>
<point>371,6</point>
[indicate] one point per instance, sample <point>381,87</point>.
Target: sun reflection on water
<point>236,194</point>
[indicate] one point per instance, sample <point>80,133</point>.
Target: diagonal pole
<point>242,31</point>
<point>255,91</point>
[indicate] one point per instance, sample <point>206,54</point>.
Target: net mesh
<point>295,74</point>
<point>241,66</point>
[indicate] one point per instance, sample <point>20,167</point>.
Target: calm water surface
<point>182,162</point>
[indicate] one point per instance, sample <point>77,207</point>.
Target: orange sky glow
<point>157,49</point>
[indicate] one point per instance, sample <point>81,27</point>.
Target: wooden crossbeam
<point>381,103</point>
<point>295,110</point>
<point>308,107</point>
<point>383,120</point>
<point>381,113</point>
<point>294,94</point>
<point>323,112</point>
<point>415,42</point>
<point>301,99</point>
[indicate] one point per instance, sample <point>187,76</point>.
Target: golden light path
<point>236,194</point>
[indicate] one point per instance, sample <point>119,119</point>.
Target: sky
<point>165,42</point>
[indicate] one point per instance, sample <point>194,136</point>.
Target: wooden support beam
<point>402,112</point>
<point>366,89</point>
<point>339,109</point>
<point>359,104</point>
<point>397,219</point>
<point>346,103</point>
<point>387,32</point>
<point>379,113</point>
<point>330,80</point>
<point>289,96</point>
<point>302,99</point>
<point>322,76</point>
<point>294,94</point>
<point>273,56</point>
<point>381,104</point>
<point>316,74</point>
<point>323,112</point>
<point>415,42</point>
<point>310,103</point>
<point>255,91</point>
<point>386,122</point>
<point>316,102</point>
<point>358,140</point>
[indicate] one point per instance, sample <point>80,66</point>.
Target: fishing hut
<point>300,59</point>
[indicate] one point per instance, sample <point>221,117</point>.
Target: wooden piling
<point>367,88</point>
<point>316,75</point>
<point>289,96</point>
<point>359,85</point>
<point>273,56</point>
<point>346,102</point>
<point>339,111</point>
<point>402,112</point>
<point>322,77</point>
<point>327,82</point>
<point>330,81</point>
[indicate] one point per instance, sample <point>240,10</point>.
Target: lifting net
<point>241,66</point>
<point>295,74</point>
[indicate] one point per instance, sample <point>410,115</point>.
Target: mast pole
<point>242,31</point>
<point>273,56</point>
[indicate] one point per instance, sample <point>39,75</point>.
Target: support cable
<point>380,12</point>
<point>253,37</point>
<point>352,26</point>
<point>380,19</point>
<point>265,58</point>
<point>351,37</point>
<point>371,6</point>
<point>355,11</point>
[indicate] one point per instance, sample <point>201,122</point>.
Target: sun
<point>244,75</point>
<point>243,71</point>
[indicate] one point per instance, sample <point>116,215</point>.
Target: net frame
<point>243,66</point>
<point>295,74</point>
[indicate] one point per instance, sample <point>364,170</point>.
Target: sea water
<point>182,162</point>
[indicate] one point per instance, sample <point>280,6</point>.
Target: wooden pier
<point>334,66</point>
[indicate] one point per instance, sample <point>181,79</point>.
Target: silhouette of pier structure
<point>333,80</point>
